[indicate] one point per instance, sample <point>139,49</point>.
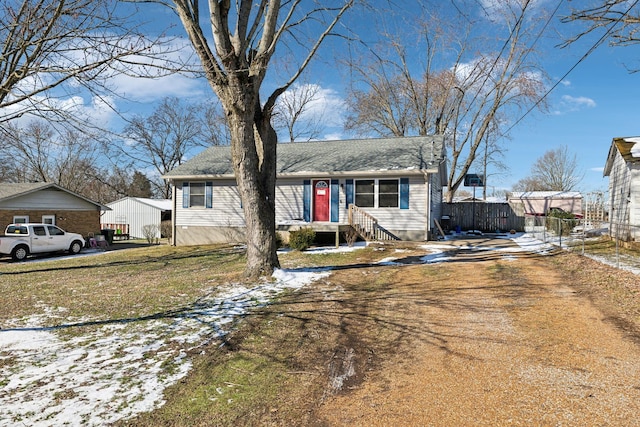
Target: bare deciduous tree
<point>162,140</point>
<point>620,18</point>
<point>392,99</point>
<point>115,182</point>
<point>40,153</point>
<point>556,170</point>
<point>463,93</point>
<point>215,127</point>
<point>292,113</point>
<point>78,44</point>
<point>235,61</point>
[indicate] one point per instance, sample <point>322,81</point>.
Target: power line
<point>589,52</point>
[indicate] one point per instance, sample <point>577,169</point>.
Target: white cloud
<point>146,90</point>
<point>580,101</point>
<point>335,136</point>
<point>174,53</point>
<point>331,104</point>
<point>570,104</point>
<point>95,110</point>
<point>323,109</point>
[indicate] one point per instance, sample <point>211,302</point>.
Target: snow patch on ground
<point>119,367</point>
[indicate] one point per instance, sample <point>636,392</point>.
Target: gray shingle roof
<point>423,153</point>
<point>11,190</point>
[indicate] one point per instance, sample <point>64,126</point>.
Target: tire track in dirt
<point>495,342</point>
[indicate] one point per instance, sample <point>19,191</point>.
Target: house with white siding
<point>130,215</point>
<point>623,169</point>
<point>387,188</point>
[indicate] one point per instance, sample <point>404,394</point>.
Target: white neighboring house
<point>131,214</point>
<point>392,187</point>
<point>623,169</point>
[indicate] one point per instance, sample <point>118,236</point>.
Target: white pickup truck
<point>20,240</point>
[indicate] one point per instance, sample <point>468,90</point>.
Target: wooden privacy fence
<point>489,217</point>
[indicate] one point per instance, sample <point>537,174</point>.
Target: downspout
<point>173,215</point>
<point>428,205</point>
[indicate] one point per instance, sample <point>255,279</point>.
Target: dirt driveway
<point>491,338</point>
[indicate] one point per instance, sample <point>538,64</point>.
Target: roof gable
<point>12,190</point>
<point>423,153</point>
<point>629,149</point>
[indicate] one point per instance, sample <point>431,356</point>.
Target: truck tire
<point>75,247</point>
<point>19,253</point>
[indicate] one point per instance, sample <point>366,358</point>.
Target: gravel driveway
<point>506,340</point>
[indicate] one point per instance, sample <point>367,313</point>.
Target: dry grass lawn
<point>483,339</point>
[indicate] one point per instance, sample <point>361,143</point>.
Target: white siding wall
<point>226,211</point>
<point>634,202</point>
<point>624,199</point>
<point>289,200</point>
<point>49,199</point>
<point>133,212</point>
<point>413,220</point>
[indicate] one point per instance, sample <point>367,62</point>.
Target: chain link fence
<point>589,238</point>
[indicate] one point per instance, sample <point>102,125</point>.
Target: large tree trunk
<point>253,150</point>
<point>235,64</point>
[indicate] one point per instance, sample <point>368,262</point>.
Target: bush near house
<point>301,239</point>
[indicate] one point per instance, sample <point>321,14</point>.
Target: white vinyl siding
<point>413,219</point>
<point>624,199</point>
<point>289,200</point>
<point>226,209</point>
<point>49,199</point>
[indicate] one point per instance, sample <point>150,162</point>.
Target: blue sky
<point>593,104</point>
<point>596,102</point>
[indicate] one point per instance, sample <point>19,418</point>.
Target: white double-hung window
<point>377,193</point>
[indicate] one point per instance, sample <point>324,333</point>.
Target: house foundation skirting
<point>207,235</point>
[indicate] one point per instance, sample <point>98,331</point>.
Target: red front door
<point>321,200</point>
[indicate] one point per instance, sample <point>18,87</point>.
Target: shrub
<point>350,236</point>
<point>279,240</point>
<point>151,232</point>
<point>559,220</point>
<point>301,239</point>
<point>166,230</point>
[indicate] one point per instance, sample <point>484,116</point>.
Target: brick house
<point>48,203</point>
